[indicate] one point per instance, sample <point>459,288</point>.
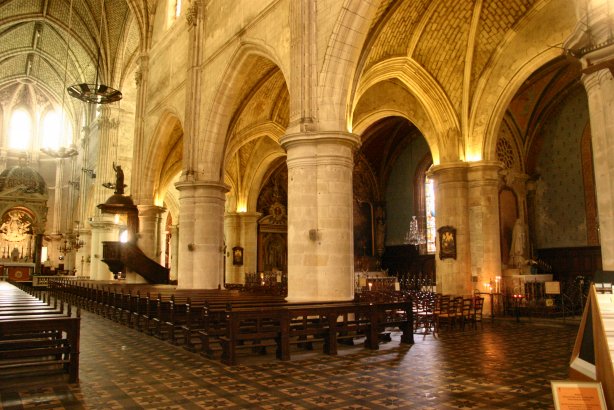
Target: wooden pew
<point>283,325</point>
<point>35,335</point>
<point>254,327</point>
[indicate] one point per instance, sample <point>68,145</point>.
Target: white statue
<point>519,243</point>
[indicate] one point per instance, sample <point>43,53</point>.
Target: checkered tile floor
<point>504,365</point>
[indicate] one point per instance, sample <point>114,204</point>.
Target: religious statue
<point>119,179</point>
<point>519,243</point>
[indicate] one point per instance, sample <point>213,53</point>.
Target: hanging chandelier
<point>414,235</point>
<point>95,93</point>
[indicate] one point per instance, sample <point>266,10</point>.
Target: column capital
<point>244,216</point>
<point>484,171</point>
<point>195,185</point>
<point>449,172</point>
<point>150,210</point>
<point>320,137</point>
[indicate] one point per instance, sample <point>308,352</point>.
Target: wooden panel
<point>19,273</point>
<point>567,263</point>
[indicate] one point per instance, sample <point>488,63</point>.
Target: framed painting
<point>447,242</point>
<point>237,256</point>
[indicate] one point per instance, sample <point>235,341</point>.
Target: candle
<point>370,285</point>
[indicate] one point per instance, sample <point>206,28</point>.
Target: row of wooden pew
<point>36,337</point>
<point>214,321</point>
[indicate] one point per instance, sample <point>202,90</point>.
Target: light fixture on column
<point>414,235</point>
<point>96,93</point>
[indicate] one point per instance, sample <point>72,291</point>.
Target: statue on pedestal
<point>119,179</point>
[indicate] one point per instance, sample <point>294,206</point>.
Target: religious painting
<point>447,242</point>
<point>237,256</point>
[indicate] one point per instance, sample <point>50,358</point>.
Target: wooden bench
<point>254,327</point>
<point>35,335</point>
<point>299,324</point>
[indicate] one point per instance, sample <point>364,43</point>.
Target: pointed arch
<point>244,63</point>
<point>444,140</point>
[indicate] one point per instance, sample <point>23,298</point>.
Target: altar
<point>18,271</point>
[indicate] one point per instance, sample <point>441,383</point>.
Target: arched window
<point>51,130</point>
<point>424,197</point>
<point>173,8</point>
<point>20,130</point>
<point>177,8</point>
<point>429,205</point>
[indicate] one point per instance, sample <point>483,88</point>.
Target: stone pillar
<point>595,50</point>
<point>483,208</point>
<point>58,210</point>
<point>151,231</point>
<point>174,245</point>
<point>201,243</point>
<point>241,229</point>
<point>83,255</point>
<point>103,229</point>
<point>320,215</point>
<point>108,128</point>
<point>600,90</point>
<point>451,199</point>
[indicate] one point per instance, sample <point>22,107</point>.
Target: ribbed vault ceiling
<point>46,44</point>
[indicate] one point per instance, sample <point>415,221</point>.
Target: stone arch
<point>444,137</point>
<point>341,59</point>
<point>245,63</point>
<point>523,51</point>
<point>269,131</point>
<point>164,156</point>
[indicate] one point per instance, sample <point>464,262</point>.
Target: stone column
<point>320,215</point>
<point>103,229</point>
<point>241,229</point>
<point>600,89</point>
<point>201,243</point>
<point>151,231</point>
<point>451,200</point>
<point>58,210</point>
<point>108,128</point>
<point>483,208</point>
<point>594,48</point>
<point>174,251</point>
<point>84,252</point>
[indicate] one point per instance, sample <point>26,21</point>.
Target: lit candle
<point>370,285</point>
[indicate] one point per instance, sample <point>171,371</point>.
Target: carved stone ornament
<point>191,14</point>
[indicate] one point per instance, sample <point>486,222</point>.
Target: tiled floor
<point>505,365</point>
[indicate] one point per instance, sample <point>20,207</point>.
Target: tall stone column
<point>201,243</point>
<point>108,125</point>
<point>600,88</point>
<point>103,229</point>
<point>58,210</point>
<point>594,47</point>
<point>241,229</point>
<point>451,200</point>
<point>174,245</point>
<point>320,215</point>
<point>483,208</point>
<point>151,231</point>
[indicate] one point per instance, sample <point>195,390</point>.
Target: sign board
<point>553,288</point>
<point>572,395</point>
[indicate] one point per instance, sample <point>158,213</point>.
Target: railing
<point>43,281</point>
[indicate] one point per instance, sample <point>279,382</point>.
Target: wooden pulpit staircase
<point>121,257</point>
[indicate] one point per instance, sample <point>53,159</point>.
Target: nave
<point>502,365</point>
